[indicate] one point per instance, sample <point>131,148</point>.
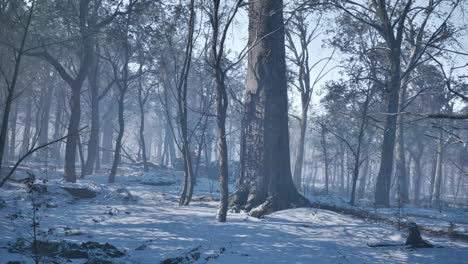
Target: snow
<point>432,218</point>
<point>153,227</point>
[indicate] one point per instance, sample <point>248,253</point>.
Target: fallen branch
<point>31,151</point>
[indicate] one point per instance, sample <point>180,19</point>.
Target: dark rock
<point>98,261</point>
<point>106,248</point>
<point>15,262</point>
<point>81,192</point>
<point>74,253</point>
<point>47,248</point>
<point>126,195</point>
<point>188,257</point>
<point>68,250</point>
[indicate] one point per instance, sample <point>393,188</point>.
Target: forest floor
<point>140,216</point>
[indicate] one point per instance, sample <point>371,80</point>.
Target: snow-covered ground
<point>150,227</point>
<point>437,219</point>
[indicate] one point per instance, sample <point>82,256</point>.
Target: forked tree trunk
<point>265,175</point>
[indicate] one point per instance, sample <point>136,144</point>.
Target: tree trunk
<point>123,88</point>
<point>297,175</point>
<point>325,157</point>
<point>141,103</point>
<point>382,189</point>
<point>93,143</point>
<point>436,191</point>
<point>108,136</point>
<point>45,114</point>
<point>265,174</point>
<point>27,125</point>
<point>73,130</point>
<point>13,121</point>
<point>400,160</point>
<point>417,173</point>
<point>363,180</point>
<point>57,126</point>
<point>118,142</point>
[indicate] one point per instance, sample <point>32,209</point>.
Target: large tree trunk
<point>265,175</point>
<point>382,189</point>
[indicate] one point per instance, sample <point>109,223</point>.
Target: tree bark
<point>325,157</point>
<point>265,175</point>
<point>142,98</point>
<point>13,121</point>
<point>299,161</point>
<point>56,148</point>
<point>73,130</point>
<point>93,143</point>
<point>123,88</point>
<point>436,191</point>
<point>27,125</point>
<point>382,190</point>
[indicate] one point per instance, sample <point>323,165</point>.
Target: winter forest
<point>235,131</point>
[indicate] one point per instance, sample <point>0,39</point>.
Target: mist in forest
<point>253,107</point>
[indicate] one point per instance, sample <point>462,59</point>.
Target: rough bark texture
<point>382,189</point>
<point>265,174</point>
